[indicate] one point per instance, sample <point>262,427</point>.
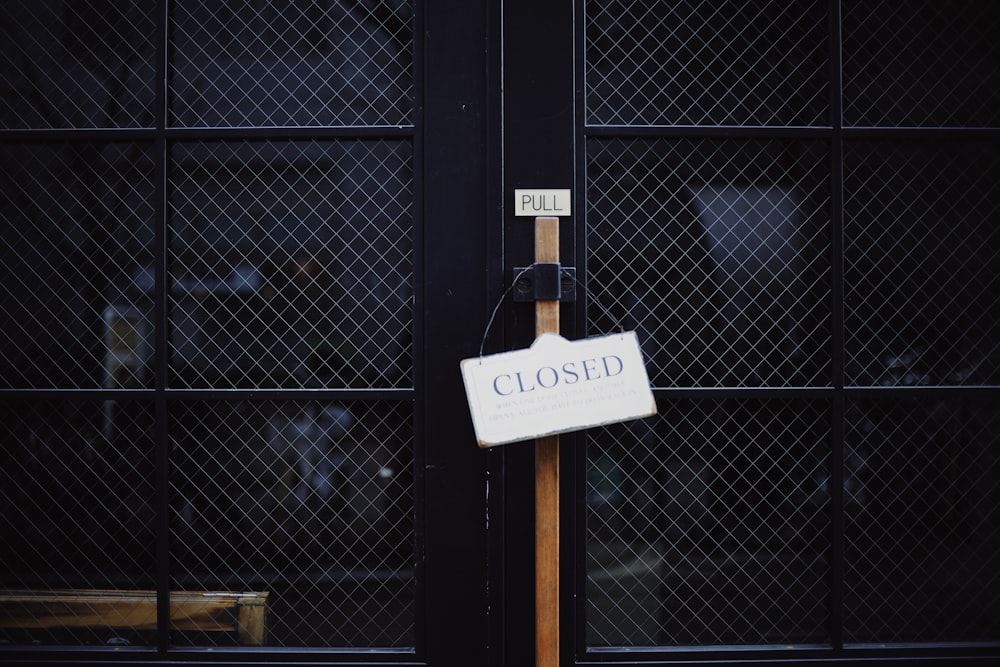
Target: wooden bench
<point>208,611</point>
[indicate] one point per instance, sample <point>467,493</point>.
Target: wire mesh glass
<point>716,253</point>
<point>922,263</point>
<point>922,556</point>
<point>300,63</point>
<point>289,265</point>
<point>923,64</point>
<point>76,513</point>
<point>311,502</point>
<point>80,64</point>
<point>706,63</point>
<point>76,247</point>
<point>292,264</point>
<point>708,525</point>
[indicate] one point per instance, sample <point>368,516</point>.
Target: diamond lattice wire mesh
<point>922,263</point>
<point>708,525</point>
<point>76,512</point>
<point>77,231</point>
<point>79,64</point>
<point>716,252</point>
<point>926,64</point>
<point>301,63</point>
<point>311,502</point>
<point>292,264</point>
<point>922,552</point>
<point>706,63</point>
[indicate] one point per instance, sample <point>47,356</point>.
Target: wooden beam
<point>203,611</point>
<point>547,481</point>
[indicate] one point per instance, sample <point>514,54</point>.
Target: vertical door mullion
<point>838,426</point>
<point>453,559</point>
<point>419,376</point>
<point>160,335</point>
<point>538,153</point>
<point>576,504</point>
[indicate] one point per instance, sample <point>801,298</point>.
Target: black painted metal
<point>456,614</point>
<point>837,327</point>
<point>544,280</point>
<point>449,237</point>
<point>501,104</point>
<point>835,391</point>
<point>538,153</point>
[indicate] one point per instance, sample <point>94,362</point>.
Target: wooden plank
<point>252,629</point>
<point>547,551</point>
<point>205,611</point>
<point>547,481</point>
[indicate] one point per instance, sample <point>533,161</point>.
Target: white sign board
<point>537,203</point>
<point>557,386</point>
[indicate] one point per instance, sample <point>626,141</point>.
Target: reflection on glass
<point>725,282</point>
<point>309,501</point>
<point>306,505</point>
<point>708,525</point>
<point>76,514</point>
<point>291,264</point>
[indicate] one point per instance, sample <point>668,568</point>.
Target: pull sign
<point>557,386</point>
<point>533,203</point>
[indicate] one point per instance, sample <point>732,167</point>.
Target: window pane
<point>76,515</point>
<point>923,526</point>
<point>922,263</point>
<point>716,253</point>
<point>311,502</point>
<point>706,63</point>
<point>300,63</point>
<point>76,255</point>
<point>925,64</point>
<point>709,525</point>
<point>79,64</point>
<point>292,264</point>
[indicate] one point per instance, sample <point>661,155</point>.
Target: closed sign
<point>557,386</point>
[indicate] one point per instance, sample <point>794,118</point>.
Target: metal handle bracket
<point>544,281</point>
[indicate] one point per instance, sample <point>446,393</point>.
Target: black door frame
<point>458,149</point>
<point>539,151</point>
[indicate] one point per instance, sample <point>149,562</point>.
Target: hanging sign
<point>557,386</point>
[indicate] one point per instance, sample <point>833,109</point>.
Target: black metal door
<point>246,244</point>
<point>794,205</point>
<point>243,249</point>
